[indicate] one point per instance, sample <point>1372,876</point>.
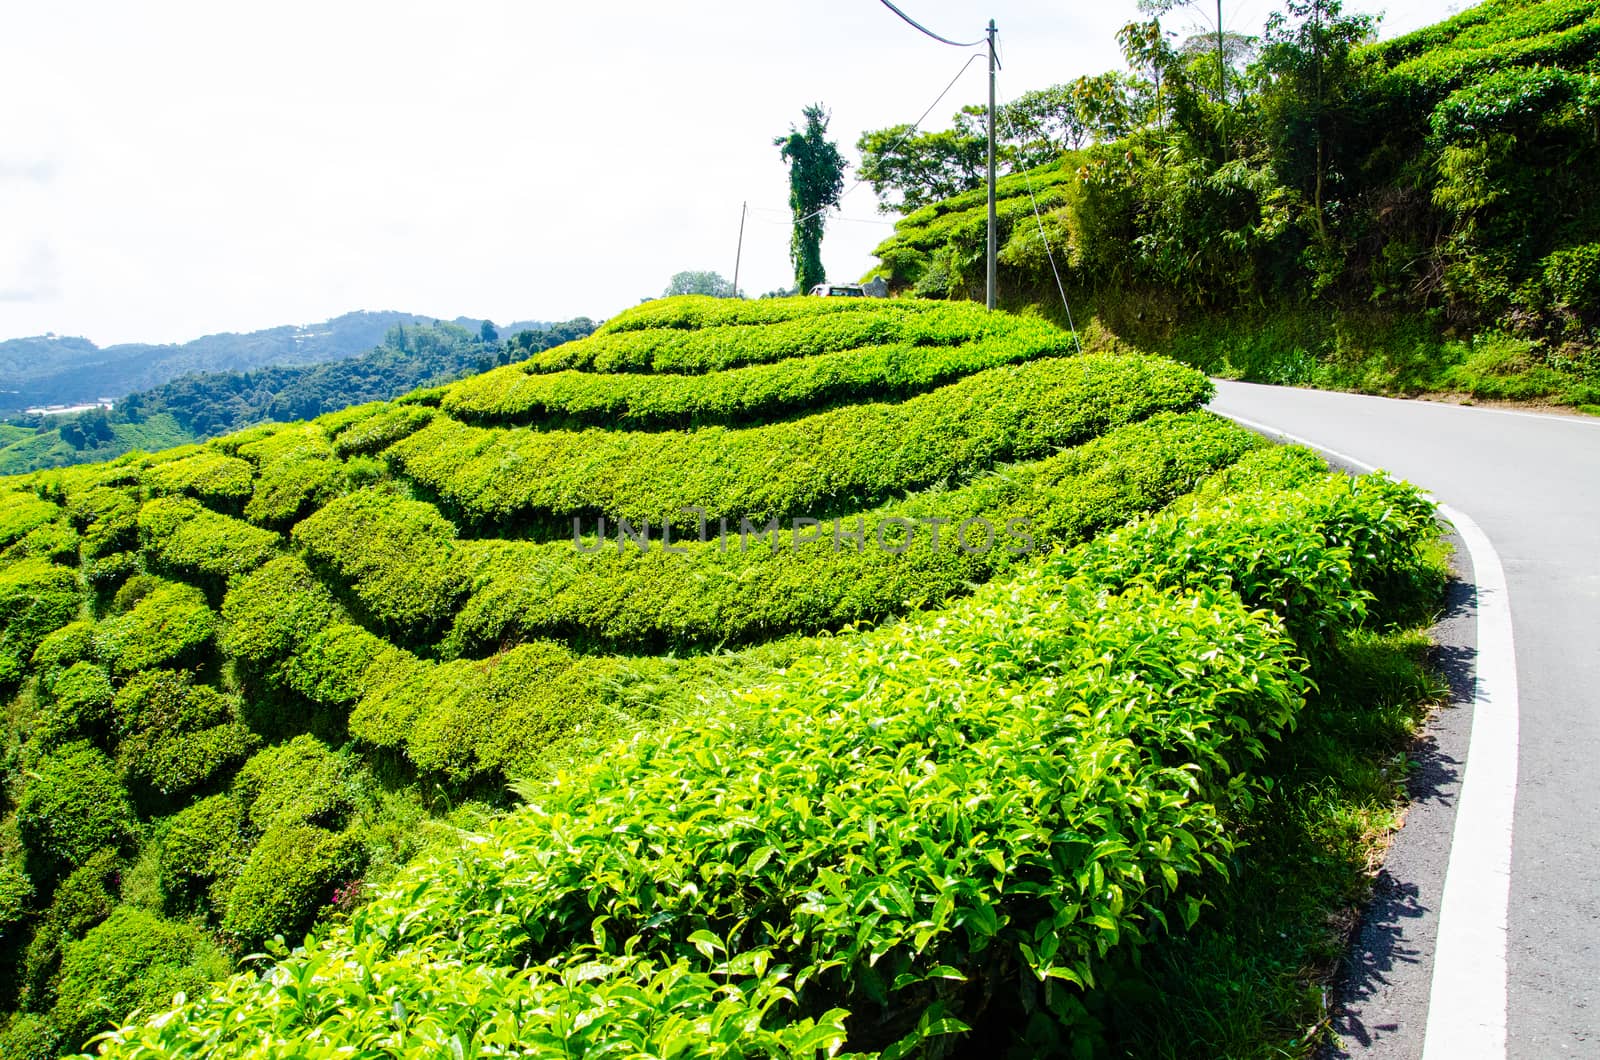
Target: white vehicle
<point>839,290</point>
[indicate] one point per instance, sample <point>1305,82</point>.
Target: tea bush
<point>396,556</point>
<point>699,312</point>
<point>714,348</point>
<point>744,588</point>
<point>182,537</point>
<point>335,667</point>
<point>846,458</point>
<point>108,519</point>
<point>36,599</point>
<point>199,847</point>
<point>382,428</point>
<point>167,627</point>
<point>59,651</point>
<point>270,611</point>
<point>80,706</point>
<point>294,783</point>
<point>73,807</point>
<point>291,488</point>
<point>134,960</point>
<point>207,474</point>
<point>158,765</point>
<point>289,876</point>
<point>21,514</point>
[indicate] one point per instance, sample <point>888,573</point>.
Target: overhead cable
<point>911,131</point>
<point>931,33</point>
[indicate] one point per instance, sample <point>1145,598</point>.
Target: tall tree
<point>695,282</point>
<point>1219,36</point>
<point>816,179</point>
<point>1308,59</point>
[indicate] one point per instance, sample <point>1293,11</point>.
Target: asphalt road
<point>1532,483</point>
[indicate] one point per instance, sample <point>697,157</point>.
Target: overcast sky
<point>168,170</point>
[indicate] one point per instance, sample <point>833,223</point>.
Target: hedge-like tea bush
<point>747,589</point>
<point>288,877</point>
<point>21,513</point>
<point>198,847</point>
<point>380,429</point>
<point>80,706</point>
<point>72,643</point>
<point>335,667</point>
<point>56,542</point>
<point>133,960</point>
<point>206,474</point>
<point>168,626</point>
<point>396,556</point>
<point>73,807</point>
<point>292,487</point>
<point>37,598</point>
<point>160,765</point>
<point>739,395</point>
<point>185,537</point>
<point>701,311</point>
<point>294,783</point>
<point>108,518</point>
<point>463,719</point>
<point>268,612</point>
<point>844,459</point>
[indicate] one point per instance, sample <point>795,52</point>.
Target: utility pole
<point>739,254</point>
<point>992,63</point>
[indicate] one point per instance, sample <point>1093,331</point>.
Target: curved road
<point>1532,483</point>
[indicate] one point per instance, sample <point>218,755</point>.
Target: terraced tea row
<point>820,465</point>
<point>738,395</point>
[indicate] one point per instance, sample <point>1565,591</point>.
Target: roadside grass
<point>1253,979</point>
<point>1364,350</point>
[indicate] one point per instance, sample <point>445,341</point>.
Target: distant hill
<point>62,370</point>
<point>201,405</point>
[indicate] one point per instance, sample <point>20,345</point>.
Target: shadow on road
<point>1382,993</point>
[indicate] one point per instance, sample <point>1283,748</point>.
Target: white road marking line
<point>1262,428</point>
<point>1467,1002</point>
<point>1467,998</point>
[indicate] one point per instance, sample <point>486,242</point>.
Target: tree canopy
<point>693,282</point>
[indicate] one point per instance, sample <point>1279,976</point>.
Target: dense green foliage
<point>273,659</point>
<point>1011,791</point>
<point>1384,201</point>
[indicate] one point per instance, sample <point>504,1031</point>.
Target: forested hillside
<point>61,370</point>
<point>195,407</point>
<point>1419,214</point>
<point>849,707</point>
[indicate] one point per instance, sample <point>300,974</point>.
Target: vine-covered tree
<point>816,178</point>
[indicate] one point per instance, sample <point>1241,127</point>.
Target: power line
<point>929,32</point>
<point>1027,176</point>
